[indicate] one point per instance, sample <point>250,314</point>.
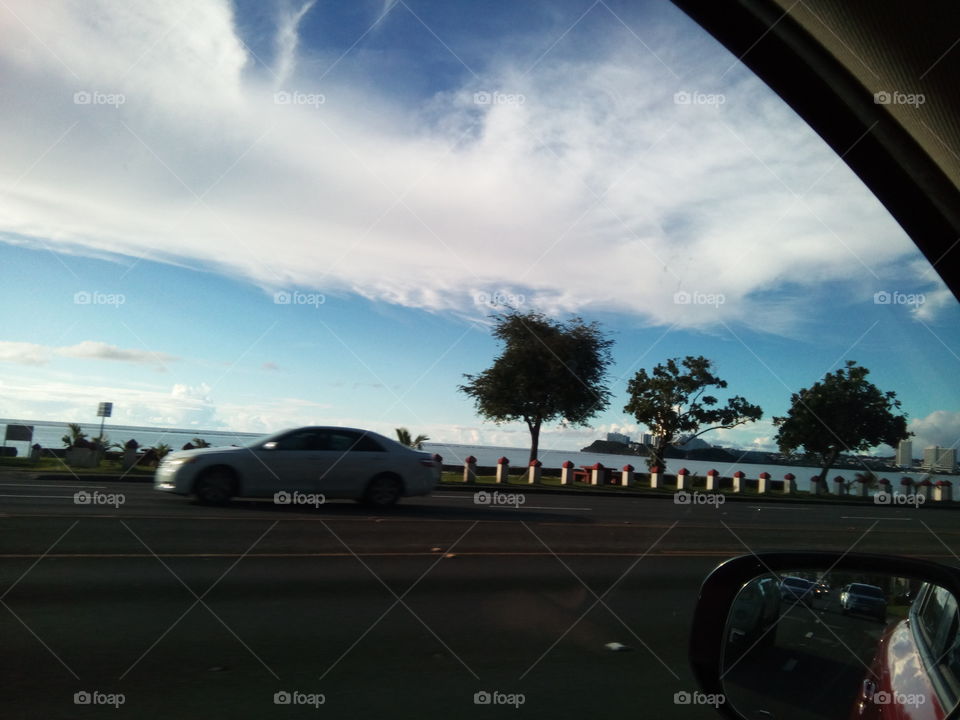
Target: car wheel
<point>383,491</point>
<point>214,488</point>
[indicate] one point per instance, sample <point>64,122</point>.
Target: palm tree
<point>75,436</point>
<point>160,450</point>
<point>403,436</point>
<point>199,443</point>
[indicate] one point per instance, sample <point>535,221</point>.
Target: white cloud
<point>34,354</point>
<point>597,192</point>
<point>941,427</point>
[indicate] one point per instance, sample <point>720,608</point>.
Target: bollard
<point>654,477</point>
<point>533,474</point>
<point>789,483</point>
<point>763,483</point>
<point>841,485</point>
<point>503,470</point>
<point>712,484</point>
<point>626,476</point>
<point>737,481</point>
<point>470,469</point>
<point>682,479</point>
<point>596,474</point>
<point>566,472</point>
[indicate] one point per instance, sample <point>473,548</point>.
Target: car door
<point>351,458</point>
<point>291,463</point>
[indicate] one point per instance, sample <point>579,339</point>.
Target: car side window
<point>939,621</point>
<point>302,440</point>
<point>346,441</point>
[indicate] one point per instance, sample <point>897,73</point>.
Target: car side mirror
<point>828,635</point>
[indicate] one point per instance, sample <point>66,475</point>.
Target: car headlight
<point>180,461</point>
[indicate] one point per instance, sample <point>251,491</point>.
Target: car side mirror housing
<point>844,635</point>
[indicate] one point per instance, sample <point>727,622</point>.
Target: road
<point>187,611</point>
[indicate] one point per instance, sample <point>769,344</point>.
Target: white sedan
<point>307,465</point>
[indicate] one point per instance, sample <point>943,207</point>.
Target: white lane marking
<point>46,485</point>
<point>39,497</point>
<point>861,517</point>
<point>770,507</point>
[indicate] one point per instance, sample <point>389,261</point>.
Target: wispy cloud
<point>33,354</point>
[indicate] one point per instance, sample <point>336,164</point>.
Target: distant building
<point>938,458</point>
<point>905,454</point>
<point>646,439</point>
<point>618,438</point>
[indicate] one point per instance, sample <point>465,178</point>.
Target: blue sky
<point>173,173</point>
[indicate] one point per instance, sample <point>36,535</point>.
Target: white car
<point>305,463</point>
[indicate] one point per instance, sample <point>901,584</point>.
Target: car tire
<point>215,488</point>
<point>383,491</point>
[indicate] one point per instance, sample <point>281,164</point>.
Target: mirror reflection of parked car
<point>916,670</point>
<point>795,589</point>
<point>334,462</point>
<point>865,600</point>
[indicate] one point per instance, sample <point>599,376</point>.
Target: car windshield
<point>867,591</point>
<point>644,315</point>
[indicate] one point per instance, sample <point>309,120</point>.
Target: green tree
<point>671,402</point>
<point>842,412</point>
<point>403,437</point>
<point>200,443</point>
<point>548,370</point>
<point>75,437</point>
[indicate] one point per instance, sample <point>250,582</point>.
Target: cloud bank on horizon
<point>623,179</point>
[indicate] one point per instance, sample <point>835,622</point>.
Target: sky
<point>258,215</point>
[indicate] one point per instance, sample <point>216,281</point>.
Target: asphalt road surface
<point>150,606</point>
